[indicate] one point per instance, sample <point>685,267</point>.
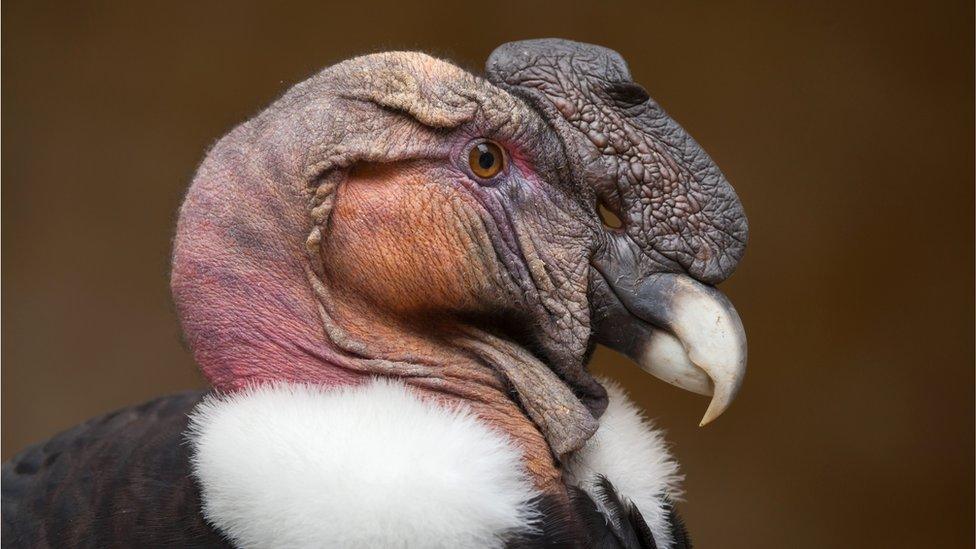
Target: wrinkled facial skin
<point>502,262</point>
<point>425,237</point>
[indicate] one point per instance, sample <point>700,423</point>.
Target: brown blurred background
<point>847,131</point>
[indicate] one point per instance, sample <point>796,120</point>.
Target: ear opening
<point>610,219</point>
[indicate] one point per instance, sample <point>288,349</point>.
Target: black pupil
<point>485,158</point>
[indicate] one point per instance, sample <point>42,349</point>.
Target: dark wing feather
<point>678,531</point>
<point>598,531</point>
<point>557,528</point>
<point>642,532</point>
<point>619,514</point>
<point>119,480</point>
<point>582,524</point>
<point>629,525</point>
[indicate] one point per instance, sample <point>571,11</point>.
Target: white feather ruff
<point>367,466</point>
<point>376,466</point>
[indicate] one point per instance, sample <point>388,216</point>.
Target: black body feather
<point>119,480</point>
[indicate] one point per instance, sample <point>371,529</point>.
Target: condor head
<point>395,215</point>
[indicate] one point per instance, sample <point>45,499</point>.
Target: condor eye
<point>486,159</point>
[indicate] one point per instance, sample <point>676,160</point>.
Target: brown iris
<point>486,159</point>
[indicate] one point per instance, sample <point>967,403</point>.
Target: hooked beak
<point>674,327</point>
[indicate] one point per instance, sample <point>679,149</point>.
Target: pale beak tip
<point>708,418</point>
<point>715,408</point>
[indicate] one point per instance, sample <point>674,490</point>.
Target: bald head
<point>397,215</point>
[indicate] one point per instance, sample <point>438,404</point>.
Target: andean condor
<point>394,277</point>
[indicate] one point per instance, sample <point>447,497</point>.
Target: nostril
<point>609,219</point>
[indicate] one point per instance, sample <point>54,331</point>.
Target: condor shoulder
<point>122,479</point>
